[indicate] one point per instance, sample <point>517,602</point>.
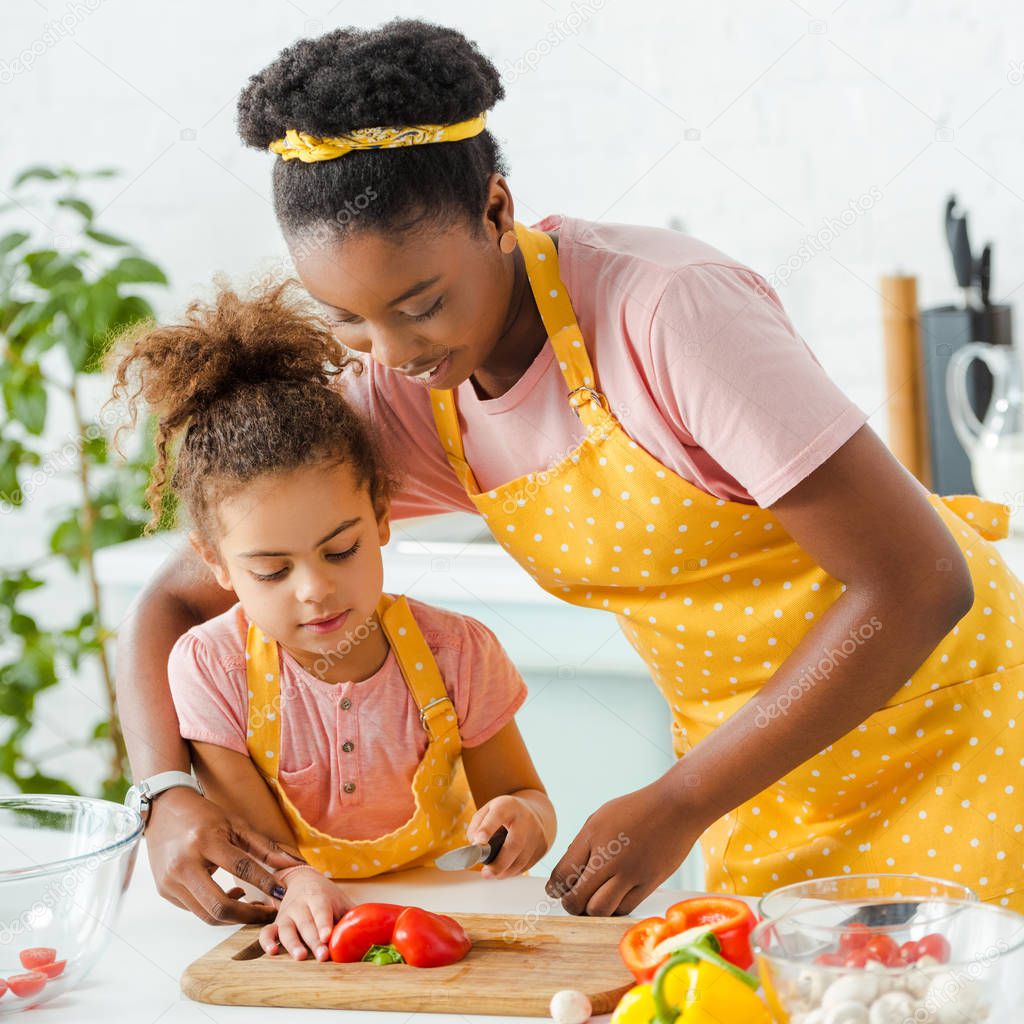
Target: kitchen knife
<point>984,272</point>
<point>465,857</point>
<point>960,248</point>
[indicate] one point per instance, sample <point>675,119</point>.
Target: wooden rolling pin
<point>904,379</point>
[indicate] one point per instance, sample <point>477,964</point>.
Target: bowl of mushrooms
<point>892,960</point>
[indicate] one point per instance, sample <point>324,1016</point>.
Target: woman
<point>637,422</point>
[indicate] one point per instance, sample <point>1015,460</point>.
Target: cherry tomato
<point>28,984</point>
<point>883,949</point>
<point>909,951</point>
<point>52,970</point>
<point>857,958</point>
<point>831,960</point>
<point>3,987</point>
<point>856,936</point>
<point>32,959</point>
<point>934,945</point>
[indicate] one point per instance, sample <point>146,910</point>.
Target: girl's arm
<point>870,525</point>
<point>186,836</point>
<point>232,781</point>
<point>507,791</point>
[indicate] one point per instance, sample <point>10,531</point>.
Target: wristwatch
<point>141,796</point>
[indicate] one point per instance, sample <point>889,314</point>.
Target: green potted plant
<point>66,287</point>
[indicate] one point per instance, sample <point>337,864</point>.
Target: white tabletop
<point>153,942</point>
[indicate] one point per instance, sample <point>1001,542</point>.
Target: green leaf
<point>37,782</point>
<point>114,790</point>
<point>13,455</point>
<point>101,731</point>
<point>103,172</point>
<point>25,397</point>
<point>43,173</point>
<point>103,238</point>
<point>136,270</point>
<point>78,205</point>
<point>12,240</point>
<point>47,269</point>
<point>66,540</point>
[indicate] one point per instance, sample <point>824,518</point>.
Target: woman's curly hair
<point>404,72</point>
<point>241,387</point>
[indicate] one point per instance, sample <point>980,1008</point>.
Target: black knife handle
<point>497,841</point>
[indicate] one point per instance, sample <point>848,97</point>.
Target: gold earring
<point>508,242</point>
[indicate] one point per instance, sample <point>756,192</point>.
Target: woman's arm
<point>508,792</point>
<point>869,524</point>
<point>186,836</point>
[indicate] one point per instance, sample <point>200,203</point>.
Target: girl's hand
<point>523,814</point>
<point>311,905</point>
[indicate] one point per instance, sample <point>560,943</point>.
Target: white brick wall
<point>750,122</point>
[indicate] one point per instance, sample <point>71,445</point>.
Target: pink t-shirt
<point>208,683</point>
<point>693,351</point>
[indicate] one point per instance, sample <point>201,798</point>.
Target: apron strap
<point>552,298</point>
<point>446,419</point>
<point>420,671</point>
<point>263,673</point>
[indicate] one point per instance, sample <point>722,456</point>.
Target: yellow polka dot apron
<point>443,801</point>
<point>714,595</point>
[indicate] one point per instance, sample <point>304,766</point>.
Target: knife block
<point>945,329</point>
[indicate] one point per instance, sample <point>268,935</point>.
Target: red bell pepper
<point>371,924</point>
<point>649,943</point>
<point>429,940</point>
<point>384,933</point>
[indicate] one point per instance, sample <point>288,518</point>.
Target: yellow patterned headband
<point>309,149</point>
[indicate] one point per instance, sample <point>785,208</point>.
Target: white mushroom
<point>885,979</point>
<point>846,1013</point>
<point>916,981</point>
<point>892,1008</point>
<point>954,998</point>
<point>570,1007</point>
<point>813,1017</point>
<point>810,986</point>
<point>860,987</point>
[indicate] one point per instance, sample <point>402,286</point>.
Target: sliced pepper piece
<point>649,943</point>
<point>731,921</point>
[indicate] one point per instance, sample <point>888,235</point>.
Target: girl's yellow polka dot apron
<point>714,595</point>
<point>444,804</point>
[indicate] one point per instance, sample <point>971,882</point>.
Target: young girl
<point>373,732</point>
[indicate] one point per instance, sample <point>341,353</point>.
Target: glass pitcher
<point>994,445</point>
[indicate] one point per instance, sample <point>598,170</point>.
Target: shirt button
<point>346,704</point>
<point>350,787</point>
<point>348,746</point>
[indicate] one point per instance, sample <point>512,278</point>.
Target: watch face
<point>134,800</point>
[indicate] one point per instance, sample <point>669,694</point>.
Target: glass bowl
<point>65,862</point>
<point>862,889</point>
<point>978,978</point>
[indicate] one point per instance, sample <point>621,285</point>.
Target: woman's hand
<point>188,837</point>
<point>311,906</point>
<point>625,850</point>
<point>528,817</point>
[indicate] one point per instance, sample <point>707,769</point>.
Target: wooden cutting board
<point>516,965</point>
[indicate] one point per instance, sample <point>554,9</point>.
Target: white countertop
<point>153,942</point>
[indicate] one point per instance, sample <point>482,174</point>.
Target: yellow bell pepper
<point>704,993</point>
<point>694,986</point>
<point>635,1007</point>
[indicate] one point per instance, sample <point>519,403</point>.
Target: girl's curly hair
<point>241,387</point>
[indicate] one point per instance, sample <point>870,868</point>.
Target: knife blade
<point>464,857</point>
